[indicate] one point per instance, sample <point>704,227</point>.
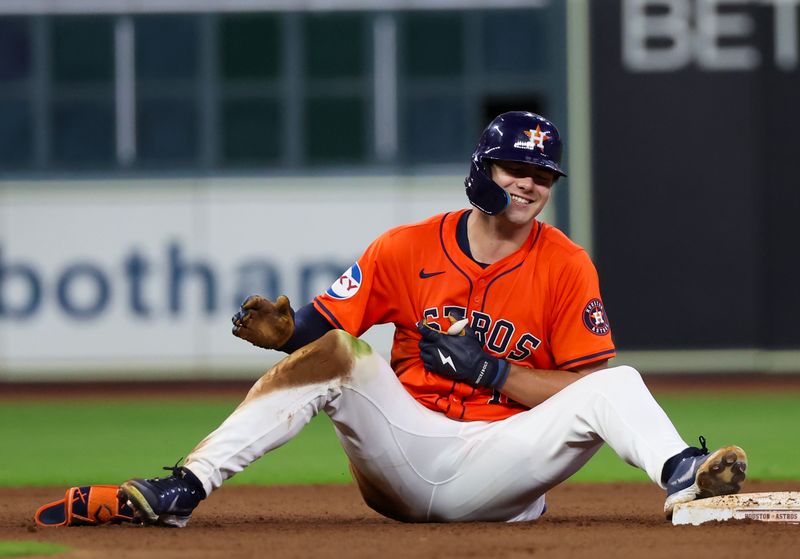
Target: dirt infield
<point>621,520</point>
<point>583,520</point>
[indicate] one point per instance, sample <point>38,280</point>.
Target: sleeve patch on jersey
<point>595,319</point>
<point>347,285</point>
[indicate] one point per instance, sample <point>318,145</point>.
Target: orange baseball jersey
<point>539,307</point>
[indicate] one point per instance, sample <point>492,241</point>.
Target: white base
<point>778,506</point>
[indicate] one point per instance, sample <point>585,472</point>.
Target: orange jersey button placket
<point>482,285</point>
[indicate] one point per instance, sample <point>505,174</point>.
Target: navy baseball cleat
<point>168,501</point>
<point>696,474</point>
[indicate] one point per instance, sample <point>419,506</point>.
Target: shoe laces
<point>694,452</point>
<point>177,471</point>
<point>703,449</point>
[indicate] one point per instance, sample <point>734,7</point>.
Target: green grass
<point>27,549</point>
<point>765,425</point>
<point>94,442</point>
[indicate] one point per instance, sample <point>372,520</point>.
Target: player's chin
<point>519,214</point>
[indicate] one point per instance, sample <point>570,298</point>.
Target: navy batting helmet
<point>514,136</point>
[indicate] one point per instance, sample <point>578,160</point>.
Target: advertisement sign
<point>695,197</point>
<point>98,277</point>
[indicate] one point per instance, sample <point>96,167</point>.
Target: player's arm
<point>533,386</point>
<point>462,358</point>
<point>591,367</point>
<point>276,325</point>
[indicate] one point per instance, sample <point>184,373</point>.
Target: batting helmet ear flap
<point>483,192</point>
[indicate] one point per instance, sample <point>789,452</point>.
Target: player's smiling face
<point>527,185</point>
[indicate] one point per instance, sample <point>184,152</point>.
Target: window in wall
<point>166,48</point>
<point>81,112</point>
<point>15,106</point>
<point>83,133</point>
<point>433,96</point>
<point>433,44</point>
<point>15,49</point>
<point>251,116</point>
<point>335,130</point>
<point>336,45</point>
<point>167,100</point>
<point>435,129</point>
<point>252,133</point>
<point>166,131</point>
<point>454,68</point>
<point>15,134</point>
<point>82,50</point>
<point>515,42</point>
<point>458,66</point>
<point>337,87</point>
<point>250,46</point>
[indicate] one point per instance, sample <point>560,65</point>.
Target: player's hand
<point>459,355</point>
<point>264,323</point>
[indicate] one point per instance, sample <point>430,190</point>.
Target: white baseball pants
<point>414,464</point>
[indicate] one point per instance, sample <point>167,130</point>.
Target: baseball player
<point>498,386</point>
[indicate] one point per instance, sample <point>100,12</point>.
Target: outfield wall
<point>101,278</point>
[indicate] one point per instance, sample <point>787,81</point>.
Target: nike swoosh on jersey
<point>424,275</point>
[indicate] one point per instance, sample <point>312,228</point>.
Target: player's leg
<point>637,429</point>
<point>275,409</point>
<point>389,438</point>
<point>399,451</point>
<point>520,458</point>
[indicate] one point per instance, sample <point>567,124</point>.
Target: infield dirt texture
<point>318,521</point>
<point>584,520</point>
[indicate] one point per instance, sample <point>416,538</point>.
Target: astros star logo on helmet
<point>535,139</point>
<point>537,136</point>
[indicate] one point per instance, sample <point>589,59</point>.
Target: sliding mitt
<point>90,505</point>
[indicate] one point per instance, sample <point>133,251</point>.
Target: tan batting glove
<point>264,323</point>
<point>456,326</point>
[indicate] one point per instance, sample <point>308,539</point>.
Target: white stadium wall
<point>139,279</point>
